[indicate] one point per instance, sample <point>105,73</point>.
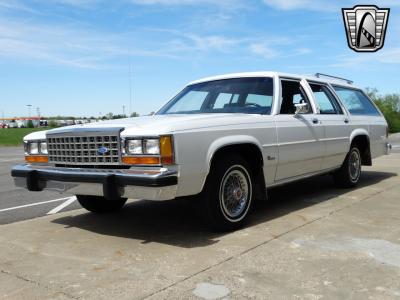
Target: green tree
<point>53,123</point>
<point>29,124</point>
<point>134,114</point>
<point>389,105</point>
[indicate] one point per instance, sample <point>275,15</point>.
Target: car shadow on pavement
<point>176,222</point>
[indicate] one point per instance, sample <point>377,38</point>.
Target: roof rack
<point>318,75</point>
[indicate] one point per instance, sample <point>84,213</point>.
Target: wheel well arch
<point>363,144</point>
<point>249,151</point>
<point>252,154</point>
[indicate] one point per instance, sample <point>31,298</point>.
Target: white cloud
<point>302,51</point>
<point>187,2</point>
<point>14,5</point>
<point>213,42</point>
<point>261,49</point>
<point>71,46</point>
<point>322,5</point>
<point>76,3</point>
<point>365,60</point>
<point>301,4</point>
<point>84,48</point>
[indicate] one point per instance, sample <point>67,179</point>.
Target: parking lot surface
<point>311,241</point>
<point>17,204</point>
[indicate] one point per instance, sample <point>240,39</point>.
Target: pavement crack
<point>275,237</point>
<point>36,283</point>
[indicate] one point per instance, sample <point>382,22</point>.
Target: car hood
<point>158,124</point>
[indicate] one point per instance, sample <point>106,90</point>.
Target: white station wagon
<point>226,139</point>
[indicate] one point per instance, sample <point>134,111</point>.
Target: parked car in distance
<point>222,140</point>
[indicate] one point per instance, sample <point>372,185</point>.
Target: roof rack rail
<point>318,75</point>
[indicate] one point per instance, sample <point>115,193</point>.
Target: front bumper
<point>158,184</point>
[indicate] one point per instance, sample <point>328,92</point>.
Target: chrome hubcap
<point>235,192</point>
<point>354,165</point>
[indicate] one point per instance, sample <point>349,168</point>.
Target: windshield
<point>239,95</point>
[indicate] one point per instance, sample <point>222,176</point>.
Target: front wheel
<point>99,204</point>
<point>349,173</point>
<point>228,193</point>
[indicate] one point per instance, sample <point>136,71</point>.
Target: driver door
<point>300,136</point>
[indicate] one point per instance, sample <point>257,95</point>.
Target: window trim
<point>174,98</point>
<point>335,98</point>
<point>303,88</point>
<point>362,92</point>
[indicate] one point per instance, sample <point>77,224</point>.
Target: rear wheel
<point>349,173</point>
<point>99,204</point>
<point>228,193</point>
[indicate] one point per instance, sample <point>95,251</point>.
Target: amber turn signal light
<point>167,150</point>
<point>141,160</point>
<point>37,158</point>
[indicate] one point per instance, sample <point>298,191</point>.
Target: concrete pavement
<point>312,241</point>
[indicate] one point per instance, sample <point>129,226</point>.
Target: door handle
<point>346,120</point>
<point>315,120</point>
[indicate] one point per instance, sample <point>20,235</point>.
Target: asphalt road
<point>17,204</point>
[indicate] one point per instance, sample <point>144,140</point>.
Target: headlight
<point>26,148</point>
<point>43,148</point>
<point>134,147</point>
<point>151,146</point>
<point>36,152</point>
<point>33,148</point>
<point>149,151</point>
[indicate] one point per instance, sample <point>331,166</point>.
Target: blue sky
<point>72,57</point>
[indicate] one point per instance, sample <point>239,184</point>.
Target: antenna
<point>130,89</point>
<point>318,75</point>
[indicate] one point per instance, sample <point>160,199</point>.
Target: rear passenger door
<point>336,125</point>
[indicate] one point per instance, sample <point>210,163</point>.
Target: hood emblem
<point>102,150</point>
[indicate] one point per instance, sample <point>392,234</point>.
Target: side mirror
<point>302,108</point>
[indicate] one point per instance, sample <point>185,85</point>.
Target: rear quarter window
<point>356,102</point>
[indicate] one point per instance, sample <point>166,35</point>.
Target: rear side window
<point>356,102</point>
<point>326,101</point>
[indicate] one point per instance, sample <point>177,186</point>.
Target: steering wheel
<point>252,104</point>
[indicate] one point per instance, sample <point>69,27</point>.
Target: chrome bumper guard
<point>388,148</point>
<point>110,183</point>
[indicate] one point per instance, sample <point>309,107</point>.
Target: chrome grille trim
<point>82,149</point>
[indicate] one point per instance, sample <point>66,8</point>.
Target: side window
<point>292,94</point>
<point>326,101</point>
<point>356,102</point>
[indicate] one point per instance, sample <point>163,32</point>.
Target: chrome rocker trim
<point>112,184</point>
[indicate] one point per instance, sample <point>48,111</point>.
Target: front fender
<point>228,141</point>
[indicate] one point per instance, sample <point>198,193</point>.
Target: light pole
<point>29,114</point>
<point>29,110</point>
<point>38,114</point>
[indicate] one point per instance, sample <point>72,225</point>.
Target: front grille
<point>84,150</point>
